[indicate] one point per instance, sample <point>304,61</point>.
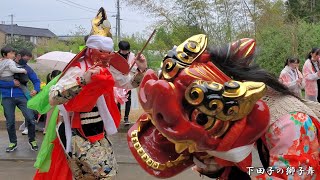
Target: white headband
<point>100,42</point>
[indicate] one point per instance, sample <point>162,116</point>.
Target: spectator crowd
<point>307,80</point>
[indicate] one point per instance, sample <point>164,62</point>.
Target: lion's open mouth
<point>154,152</point>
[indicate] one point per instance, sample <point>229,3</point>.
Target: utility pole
<point>118,22</point>
<point>11,38</point>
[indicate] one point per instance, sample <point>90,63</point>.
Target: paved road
<point>17,170</point>
<point>19,164</point>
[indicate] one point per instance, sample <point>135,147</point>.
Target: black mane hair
<point>235,69</point>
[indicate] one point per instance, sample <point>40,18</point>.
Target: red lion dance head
<point>193,110</point>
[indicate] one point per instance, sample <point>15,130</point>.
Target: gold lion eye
<point>202,119</point>
<point>216,105</point>
<point>170,69</point>
<point>194,95</point>
<point>212,107</point>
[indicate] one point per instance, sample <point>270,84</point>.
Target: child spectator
<point>7,65</point>
<point>50,76</point>
<point>8,68</point>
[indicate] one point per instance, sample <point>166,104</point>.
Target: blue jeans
<point>9,106</point>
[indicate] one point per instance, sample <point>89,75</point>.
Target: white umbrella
<point>55,59</point>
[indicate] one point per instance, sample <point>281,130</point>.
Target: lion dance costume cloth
<point>76,144</point>
<point>216,106</point>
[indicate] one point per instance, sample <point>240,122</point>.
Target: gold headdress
<point>192,48</point>
<point>100,24</point>
<point>183,55</point>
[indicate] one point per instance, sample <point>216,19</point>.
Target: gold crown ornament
<point>100,24</point>
<point>190,49</point>
<point>183,56</point>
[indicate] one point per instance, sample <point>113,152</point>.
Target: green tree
<point>278,37</point>
<point>77,38</point>
<point>74,44</point>
<point>309,10</point>
<point>20,43</point>
<point>153,56</point>
<point>51,45</point>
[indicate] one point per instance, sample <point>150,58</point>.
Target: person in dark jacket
<point>13,96</point>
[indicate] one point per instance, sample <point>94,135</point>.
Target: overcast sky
<point>63,16</point>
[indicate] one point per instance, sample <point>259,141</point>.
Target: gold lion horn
<point>192,48</point>
<point>100,24</point>
<point>183,55</point>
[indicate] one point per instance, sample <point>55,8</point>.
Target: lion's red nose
<point>145,95</point>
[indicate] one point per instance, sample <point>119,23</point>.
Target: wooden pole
<point>145,45</point>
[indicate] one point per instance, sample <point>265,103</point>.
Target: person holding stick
<point>122,95</point>
<point>77,145</point>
